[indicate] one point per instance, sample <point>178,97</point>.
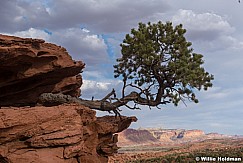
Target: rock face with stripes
<point>30,67</point>
<point>66,132</point>
<point>59,134</point>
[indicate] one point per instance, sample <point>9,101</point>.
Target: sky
<point>92,30</point>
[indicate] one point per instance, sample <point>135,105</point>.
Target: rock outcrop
<point>66,132</point>
<point>160,136</point>
<point>176,134</point>
<point>30,67</point>
<point>63,134</point>
<point>167,136</point>
<point>191,134</point>
<point>135,137</point>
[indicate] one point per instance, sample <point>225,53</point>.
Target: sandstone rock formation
<point>66,132</point>
<point>30,67</point>
<point>59,134</point>
<point>176,134</point>
<point>167,136</point>
<point>135,137</point>
<point>162,136</point>
<point>191,134</point>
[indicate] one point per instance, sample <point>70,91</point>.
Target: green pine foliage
<point>159,60</point>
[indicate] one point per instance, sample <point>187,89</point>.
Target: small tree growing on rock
<point>160,65</point>
<point>157,66</point>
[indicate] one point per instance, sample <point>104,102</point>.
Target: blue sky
<point>91,30</point>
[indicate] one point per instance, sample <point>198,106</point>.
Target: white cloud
<point>203,22</point>
<point>104,16</point>
<point>20,15</point>
<point>209,31</point>
<point>99,89</point>
<point>94,85</point>
<point>94,42</point>
<point>82,45</point>
<point>33,33</point>
<point>85,30</point>
<point>94,74</point>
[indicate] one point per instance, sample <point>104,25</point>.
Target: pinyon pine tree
<point>157,66</point>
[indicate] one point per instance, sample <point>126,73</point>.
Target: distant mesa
<point>163,136</point>
<point>132,137</point>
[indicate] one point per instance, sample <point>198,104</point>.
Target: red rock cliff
<point>30,67</point>
<point>59,134</point>
<point>67,133</point>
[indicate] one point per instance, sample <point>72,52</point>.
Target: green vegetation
<point>159,64</point>
<point>145,149</point>
<point>191,157</point>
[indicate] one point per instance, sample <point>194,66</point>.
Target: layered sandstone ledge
<point>65,133</point>
<point>31,132</point>
<point>30,67</point>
